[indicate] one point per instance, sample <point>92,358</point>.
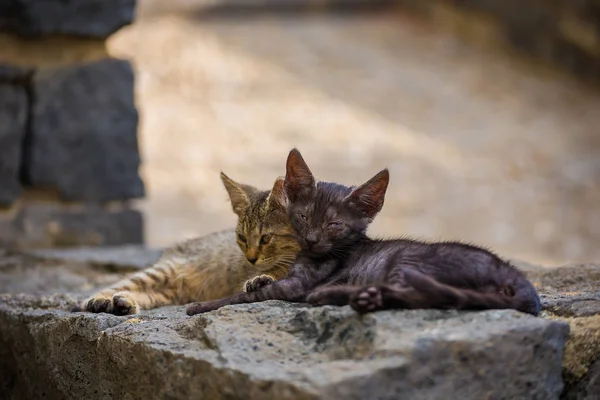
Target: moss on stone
<point>582,347</point>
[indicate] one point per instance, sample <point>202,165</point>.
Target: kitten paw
<point>117,304</point>
<point>258,282</point>
<point>366,300</point>
<point>123,305</point>
<point>98,304</point>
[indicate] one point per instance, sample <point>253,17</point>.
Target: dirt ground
<point>480,146</point>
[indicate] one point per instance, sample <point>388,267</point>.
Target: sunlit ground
<point>480,148</point>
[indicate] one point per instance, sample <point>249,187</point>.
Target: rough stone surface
<point>588,388</point>
<point>572,294</point>
<point>13,120</point>
<point>277,350</point>
<point>84,132</point>
<point>121,257</point>
<point>89,18</point>
<point>51,225</point>
<point>270,350</point>
<point>47,277</point>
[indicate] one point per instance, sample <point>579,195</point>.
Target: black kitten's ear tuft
<point>298,178</point>
<point>239,194</point>
<point>277,197</point>
<point>368,198</point>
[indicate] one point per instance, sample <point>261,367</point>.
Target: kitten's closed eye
<point>241,238</point>
<point>334,224</point>
<point>303,217</point>
<point>265,239</point>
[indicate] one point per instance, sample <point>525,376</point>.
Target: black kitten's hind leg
<point>386,297</point>
<point>331,295</point>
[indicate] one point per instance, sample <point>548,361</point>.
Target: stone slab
<point>13,121</point>
<point>52,225</point>
<point>118,257</point>
<point>87,18</point>
<point>84,132</point>
<point>277,350</point>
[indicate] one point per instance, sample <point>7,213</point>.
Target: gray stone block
<point>277,350</point>
<point>84,132</point>
<point>118,257</point>
<point>13,120</point>
<point>88,18</point>
<point>48,226</point>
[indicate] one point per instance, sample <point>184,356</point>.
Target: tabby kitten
<point>346,267</point>
<point>212,266</point>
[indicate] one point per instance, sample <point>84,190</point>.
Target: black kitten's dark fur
<point>339,264</point>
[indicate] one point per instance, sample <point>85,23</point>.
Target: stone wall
<point>564,33</point>
<point>68,126</point>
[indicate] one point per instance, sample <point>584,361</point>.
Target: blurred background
<point>486,113</point>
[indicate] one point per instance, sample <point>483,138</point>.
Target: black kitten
<point>338,264</point>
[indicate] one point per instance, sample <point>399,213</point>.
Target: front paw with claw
<point>258,282</point>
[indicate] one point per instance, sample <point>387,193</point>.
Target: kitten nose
<point>251,255</point>
<point>311,239</point>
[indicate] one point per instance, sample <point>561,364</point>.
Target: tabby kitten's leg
<point>125,303</point>
<point>254,284</point>
<point>121,302</point>
<point>143,290</point>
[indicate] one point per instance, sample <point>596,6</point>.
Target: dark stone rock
<point>15,75</point>
<point>88,18</point>
<point>13,120</point>
<point>47,226</point>
<point>84,132</point>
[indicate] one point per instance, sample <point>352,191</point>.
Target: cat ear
<point>277,196</point>
<point>368,197</point>
<point>239,194</point>
<point>298,178</point>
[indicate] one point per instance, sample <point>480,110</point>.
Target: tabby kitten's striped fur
<point>212,266</point>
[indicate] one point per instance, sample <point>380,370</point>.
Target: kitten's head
<point>329,217</point>
<point>264,231</point>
